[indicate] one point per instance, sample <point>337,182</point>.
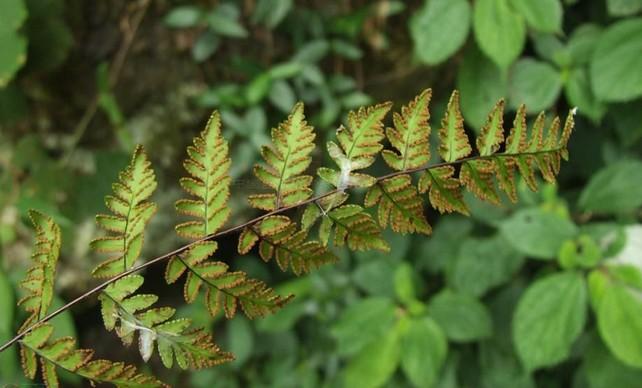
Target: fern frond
<point>359,144</point>
<point>280,239</point>
<point>210,183</point>
<point>129,314</point>
<point>209,166</point>
<point>444,190</point>
<point>131,213</point>
<point>398,202</point>
<point>62,353</point>
<point>39,280</point>
<point>454,143</point>
<point>224,290</point>
<point>410,135</point>
<point>287,159</point>
<point>352,226</point>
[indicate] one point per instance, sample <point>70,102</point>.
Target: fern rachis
<point>399,202</point>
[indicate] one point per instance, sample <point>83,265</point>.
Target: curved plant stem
<point>251,222</point>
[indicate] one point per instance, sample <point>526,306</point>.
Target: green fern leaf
<point>491,136</point>
<point>39,280</point>
<point>61,353</point>
<point>454,141</point>
<point>210,182</point>
<point>287,159</point>
<point>208,165</point>
<point>410,135</point>
<point>444,190</point>
<point>131,211</point>
<point>399,203</point>
<point>280,239</point>
<point>354,227</point>
<point>129,314</point>
<point>359,144</point>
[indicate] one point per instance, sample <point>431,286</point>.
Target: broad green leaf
<point>499,30</point>
<point>620,322</point>
<point>614,189</point>
<point>424,350</point>
<point>224,25</point>
<point>548,319</point>
<point>376,363</point>
<point>481,84</point>
<point>205,46</point>
<point>463,318</point>
<point>500,368</point>
<point>537,233</point>
<point>483,264</point>
<point>582,43</point>
<point>541,15</point>
<point>404,283</point>
<point>615,75</point>
<point>428,24</point>
<point>271,12</point>
<point>577,89</point>
<point>605,371</point>
<point>362,323</point>
<point>282,95</point>
<point>627,118</point>
<point>535,84</point>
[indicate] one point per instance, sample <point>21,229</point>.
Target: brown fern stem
<point>240,227</point>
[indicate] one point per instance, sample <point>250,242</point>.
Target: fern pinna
<point>331,217</point>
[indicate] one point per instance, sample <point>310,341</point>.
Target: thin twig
<point>251,222</point>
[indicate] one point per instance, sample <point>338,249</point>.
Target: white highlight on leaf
<point>574,111</point>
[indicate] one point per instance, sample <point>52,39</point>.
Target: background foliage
<point>542,293</point>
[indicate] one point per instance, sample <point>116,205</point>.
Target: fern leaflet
<point>131,211</point>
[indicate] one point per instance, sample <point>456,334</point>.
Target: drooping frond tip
<point>39,280</point>
<point>131,214</point>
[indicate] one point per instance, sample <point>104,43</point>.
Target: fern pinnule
<point>131,214</point>
<point>286,160</point>
<point>454,143</point>
<point>39,280</point>
<point>61,353</point>
<point>208,164</point>
<point>129,314</point>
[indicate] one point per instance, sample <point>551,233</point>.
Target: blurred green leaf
<point>282,96</point>
<point>582,42</point>
<point>427,28</point>
<point>537,233</point>
<point>312,52</point>
<point>271,12</point>
<point>616,61</point>
<point>346,49</point>
<point>362,323</point>
<point>614,189</point>
<point>481,85</point>
<point>583,252</point>
<point>240,339</point>
<point>627,118</point>
<point>500,32</point>
<point>535,84</point>
<point>376,277</point>
<point>548,319</point>
<point>578,92</point>
<point>184,16</point>
<point>463,318</point>
<point>619,320</point>
<point>376,363</point>
<point>483,264</point>
<point>9,367</point>
<point>258,88</point>
<point>285,70</point>
<point>424,350</point>
<point>605,371</point>
<point>623,7</point>
<point>541,15</point>
<point>225,25</point>
<point>404,284</point>
<point>205,46</point>
<point>500,368</point>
